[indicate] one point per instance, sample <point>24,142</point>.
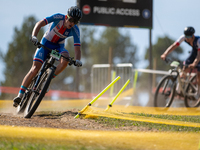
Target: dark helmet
<point>189,31</point>
<point>75,13</point>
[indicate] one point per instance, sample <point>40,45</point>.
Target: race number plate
<point>175,64</point>
<point>55,55</point>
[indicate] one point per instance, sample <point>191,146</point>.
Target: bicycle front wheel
<point>165,92</point>
<point>38,94</point>
<point>191,91</point>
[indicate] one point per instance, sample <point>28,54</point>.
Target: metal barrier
<point>103,74</point>
<point>137,91</point>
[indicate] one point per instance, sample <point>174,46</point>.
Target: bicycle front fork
<point>39,75</point>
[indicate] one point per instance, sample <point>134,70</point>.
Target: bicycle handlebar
<point>168,60</point>
<point>70,59</point>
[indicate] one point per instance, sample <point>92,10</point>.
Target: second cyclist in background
<point>194,57</point>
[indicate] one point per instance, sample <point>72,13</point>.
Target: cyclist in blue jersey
<point>60,27</point>
<point>194,57</point>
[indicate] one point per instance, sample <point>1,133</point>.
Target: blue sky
<point>170,17</point>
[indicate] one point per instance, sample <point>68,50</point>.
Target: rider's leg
<point>39,57</point>
<point>62,65</point>
<point>183,77</point>
<point>184,72</point>
<point>32,73</point>
<point>26,81</point>
<point>189,61</point>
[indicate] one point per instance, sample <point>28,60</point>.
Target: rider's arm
<point>77,43</point>
<point>173,47</point>
<point>77,52</point>
<point>45,21</point>
<point>37,27</point>
<point>169,49</point>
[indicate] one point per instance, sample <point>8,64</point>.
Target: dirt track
<point>54,114</point>
<point>64,120</point>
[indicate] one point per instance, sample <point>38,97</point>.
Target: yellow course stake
<point>135,80</point>
<point>134,84</point>
<point>110,105</point>
<point>99,95</point>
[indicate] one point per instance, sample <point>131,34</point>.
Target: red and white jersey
<point>196,43</point>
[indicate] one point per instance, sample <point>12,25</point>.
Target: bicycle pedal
<point>180,94</point>
<point>167,93</point>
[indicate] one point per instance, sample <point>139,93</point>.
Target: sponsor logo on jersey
<point>40,54</point>
<point>57,16</point>
<point>66,33</point>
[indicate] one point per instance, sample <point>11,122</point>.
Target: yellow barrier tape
<point>113,114</point>
<point>156,110</point>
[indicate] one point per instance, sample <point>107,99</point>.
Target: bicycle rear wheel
<point>165,92</point>
<point>21,107</point>
<point>191,90</point>
<point>38,94</point>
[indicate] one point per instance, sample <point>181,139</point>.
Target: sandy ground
<point>55,119</point>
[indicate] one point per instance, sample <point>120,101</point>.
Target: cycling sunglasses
<point>188,37</point>
<point>72,20</point>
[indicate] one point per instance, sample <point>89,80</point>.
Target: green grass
<point>14,145</point>
<point>22,145</point>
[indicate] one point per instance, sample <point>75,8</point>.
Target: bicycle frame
<point>44,68</point>
<point>182,82</point>
<point>49,63</point>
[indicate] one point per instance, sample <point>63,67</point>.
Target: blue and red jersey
<point>55,36</point>
<point>57,33</point>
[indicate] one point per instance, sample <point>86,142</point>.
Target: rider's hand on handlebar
<point>191,66</point>
<point>163,56</point>
<point>34,40</point>
<point>78,63</point>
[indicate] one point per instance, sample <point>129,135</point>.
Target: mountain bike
<point>173,85</point>
<point>40,83</point>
